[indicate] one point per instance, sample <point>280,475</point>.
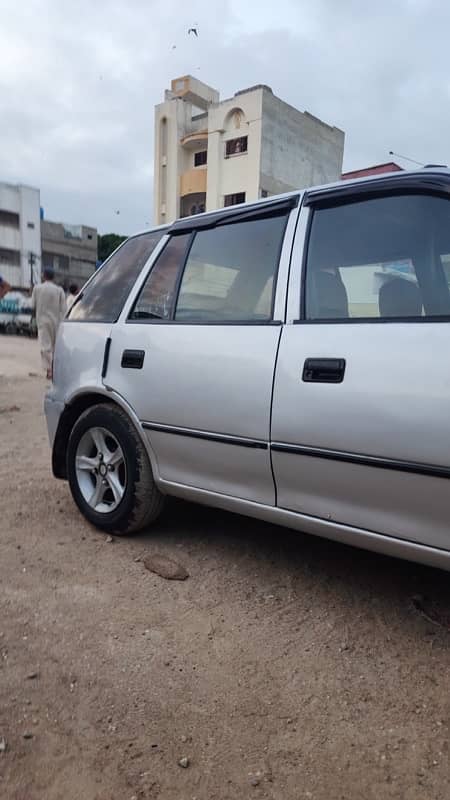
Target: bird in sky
<point>193,30</point>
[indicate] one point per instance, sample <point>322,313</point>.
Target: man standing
<point>49,304</point>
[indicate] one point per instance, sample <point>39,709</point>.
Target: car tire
<point>101,435</point>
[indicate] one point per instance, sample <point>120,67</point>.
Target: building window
<point>9,257</point>
<point>30,225</point>
<point>9,218</point>
<point>47,260</point>
<point>89,236</point>
<point>192,204</point>
<point>234,199</point>
<point>196,208</point>
<point>200,158</point>
<point>63,263</point>
<point>235,147</point>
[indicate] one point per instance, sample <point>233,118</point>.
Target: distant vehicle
<point>16,315</point>
<point>286,359</point>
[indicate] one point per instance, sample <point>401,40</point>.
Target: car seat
<point>399,297</point>
<point>330,295</point>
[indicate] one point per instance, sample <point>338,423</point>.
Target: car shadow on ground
<point>281,555</point>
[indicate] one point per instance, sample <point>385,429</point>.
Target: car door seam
<point>272,394</point>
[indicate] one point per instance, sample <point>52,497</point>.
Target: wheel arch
<point>73,409</point>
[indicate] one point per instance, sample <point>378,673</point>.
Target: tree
<point>107,244</point>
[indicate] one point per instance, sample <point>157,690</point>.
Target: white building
<point>20,235</point>
<point>211,153</point>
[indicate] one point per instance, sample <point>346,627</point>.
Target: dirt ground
<point>284,667</point>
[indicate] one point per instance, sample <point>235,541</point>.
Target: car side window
<point>382,258</point>
<point>230,274</point>
<point>102,299</point>
<point>156,298</point>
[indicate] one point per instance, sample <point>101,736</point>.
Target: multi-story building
<point>71,250</point>
<point>211,153</point>
<point>20,235</point>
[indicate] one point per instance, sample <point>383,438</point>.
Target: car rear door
<point>195,352</point>
<point>361,423</point>
<point>83,337</point>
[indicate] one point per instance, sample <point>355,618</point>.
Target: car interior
<point>383,257</point>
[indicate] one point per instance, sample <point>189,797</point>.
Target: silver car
<point>287,360</point>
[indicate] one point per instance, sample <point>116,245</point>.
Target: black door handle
<point>324,370</point>
<point>132,359</point>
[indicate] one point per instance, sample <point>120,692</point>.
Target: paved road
<point>284,667</point>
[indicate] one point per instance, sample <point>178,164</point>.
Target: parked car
<point>286,359</point>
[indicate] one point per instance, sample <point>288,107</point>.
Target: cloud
<point>79,82</point>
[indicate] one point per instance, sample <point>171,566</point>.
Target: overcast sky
<point>79,80</point>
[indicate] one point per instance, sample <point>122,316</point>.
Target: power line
<point>406,158</point>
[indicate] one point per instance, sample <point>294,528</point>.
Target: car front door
<point>361,423</point>
<point>195,354</point>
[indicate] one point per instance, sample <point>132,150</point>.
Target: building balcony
<point>193,181</point>
<point>198,140</point>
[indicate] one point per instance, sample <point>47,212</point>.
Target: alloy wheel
<point>100,470</point>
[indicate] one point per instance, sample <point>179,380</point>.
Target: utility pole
<point>32,258</point>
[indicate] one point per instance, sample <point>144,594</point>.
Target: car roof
<point>425,178</point>
<point>417,179</point>
<point>153,229</point>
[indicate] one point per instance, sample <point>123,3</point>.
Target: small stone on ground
<point>8,409</point>
<point>166,567</point>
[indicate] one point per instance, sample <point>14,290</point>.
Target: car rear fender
<point>74,407</point>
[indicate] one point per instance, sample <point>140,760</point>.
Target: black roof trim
<point>162,229</point>
<point>410,181</point>
<point>234,214</point>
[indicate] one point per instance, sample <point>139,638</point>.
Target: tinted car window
<point>230,272</point>
<point>103,298</point>
<point>379,258</point>
<point>156,298</point>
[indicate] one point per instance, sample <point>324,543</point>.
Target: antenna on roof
<point>406,158</point>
